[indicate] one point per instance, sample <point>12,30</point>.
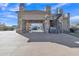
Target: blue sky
<point>8,13</point>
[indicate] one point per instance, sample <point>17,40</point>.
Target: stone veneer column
<point>20,17</point>
<point>28,25</point>
<point>47,26</point>
<point>66,22</point>
<point>24,26</point>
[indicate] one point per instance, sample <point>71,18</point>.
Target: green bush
<point>72,30</point>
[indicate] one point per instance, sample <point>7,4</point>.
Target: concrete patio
<point>14,44</point>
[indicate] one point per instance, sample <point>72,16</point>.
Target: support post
<point>27,25</point>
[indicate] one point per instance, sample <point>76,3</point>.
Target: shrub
<point>72,30</point>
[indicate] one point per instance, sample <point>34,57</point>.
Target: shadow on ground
<point>63,39</point>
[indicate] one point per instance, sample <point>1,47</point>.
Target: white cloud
<point>74,19</point>
<point>3,6</point>
<point>14,9</point>
<point>11,16</point>
<point>9,19</point>
<point>28,4</point>
<point>59,5</point>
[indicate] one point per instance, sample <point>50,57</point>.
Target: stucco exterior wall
<point>34,17</point>
<point>66,23</point>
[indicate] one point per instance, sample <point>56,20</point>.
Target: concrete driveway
<point>14,44</point>
<point>63,39</point>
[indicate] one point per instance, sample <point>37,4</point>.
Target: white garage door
<point>36,27</point>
